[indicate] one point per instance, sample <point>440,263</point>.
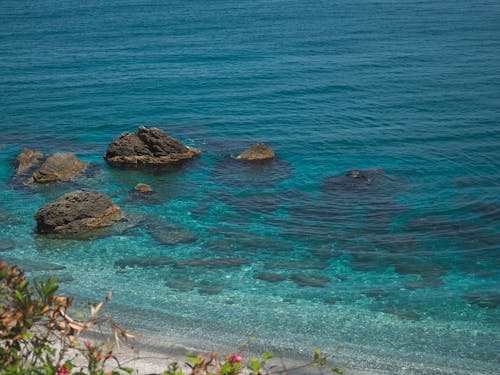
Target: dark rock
<point>357,180</point>
<point>429,282</point>
<point>221,245</point>
<point>483,298</point>
<point>253,174</point>
<point>7,245</point>
<point>182,284</point>
<point>76,212</point>
<point>368,261</point>
<point>396,243</point>
<point>259,151</point>
<point>428,270</point>
<point>62,166</point>
<point>27,160</point>
<point>171,234</point>
<point>155,261</point>
<point>209,288</point>
<point>402,314</point>
<point>325,252</point>
<point>147,148</point>
<point>376,293</point>
<point>269,276</point>
<point>212,262</point>
<point>296,265</point>
<point>309,280</point>
<point>331,300</point>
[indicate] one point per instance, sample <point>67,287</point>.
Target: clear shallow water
<point>410,87</point>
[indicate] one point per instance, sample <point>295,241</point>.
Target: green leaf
<point>226,369</point>
<point>255,365</point>
<point>18,295</point>
<point>267,355</point>
<point>128,370</point>
<point>316,351</point>
<point>337,370</point>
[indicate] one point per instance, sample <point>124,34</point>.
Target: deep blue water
<point>411,87</point>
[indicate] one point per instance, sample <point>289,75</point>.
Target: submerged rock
<point>147,148</point>
<point>209,288</point>
<point>212,262</point>
<point>62,166</point>
<point>483,298</point>
<point>356,180</point>
<point>258,152</point>
<point>269,276</point>
<point>182,284</point>
<point>7,245</point>
<point>171,234</point>
<point>77,211</point>
<point>254,174</point>
<point>309,280</point>
<point>142,194</point>
<point>156,261</point>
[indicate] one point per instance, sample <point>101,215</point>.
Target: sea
<point>397,272</point>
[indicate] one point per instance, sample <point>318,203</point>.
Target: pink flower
<point>62,370</point>
<point>2,265</point>
<point>235,358</point>
<point>87,344</point>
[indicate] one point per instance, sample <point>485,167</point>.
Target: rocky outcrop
<point>77,212</point>
<point>147,147</point>
<point>259,151</point>
<point>62,166</point>
<point>28,159</point>
<point>143,188</point>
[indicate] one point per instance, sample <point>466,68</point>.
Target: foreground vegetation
<point>38,335</point>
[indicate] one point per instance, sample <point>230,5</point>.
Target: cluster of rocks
<point>81,211</point>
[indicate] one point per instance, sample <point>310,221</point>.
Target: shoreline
<point>148,358</point>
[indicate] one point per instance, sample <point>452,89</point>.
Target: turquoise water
<point>410,264</point>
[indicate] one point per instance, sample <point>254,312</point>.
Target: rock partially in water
<point>7,245</point>
<point>373,180</point>
<point>309,280</point>
<point>483,298</point>
<point>142,194</point>
<point>269,277</point>
<point>171,234</point>
<point>212,262</point>
<point>62,166</point>
<point>143,188</point>
<point>145,261</point>
<point>147,148</point>
<point>28,160</point>
<point>76,212</point>
<point>182,284</point>
<point>258,152</point>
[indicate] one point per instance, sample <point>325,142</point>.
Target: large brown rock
<point>62,166</point>
<point>28,159</point>
<point>259,151</point>
<point>76,212</point>
<point>147,147</point>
